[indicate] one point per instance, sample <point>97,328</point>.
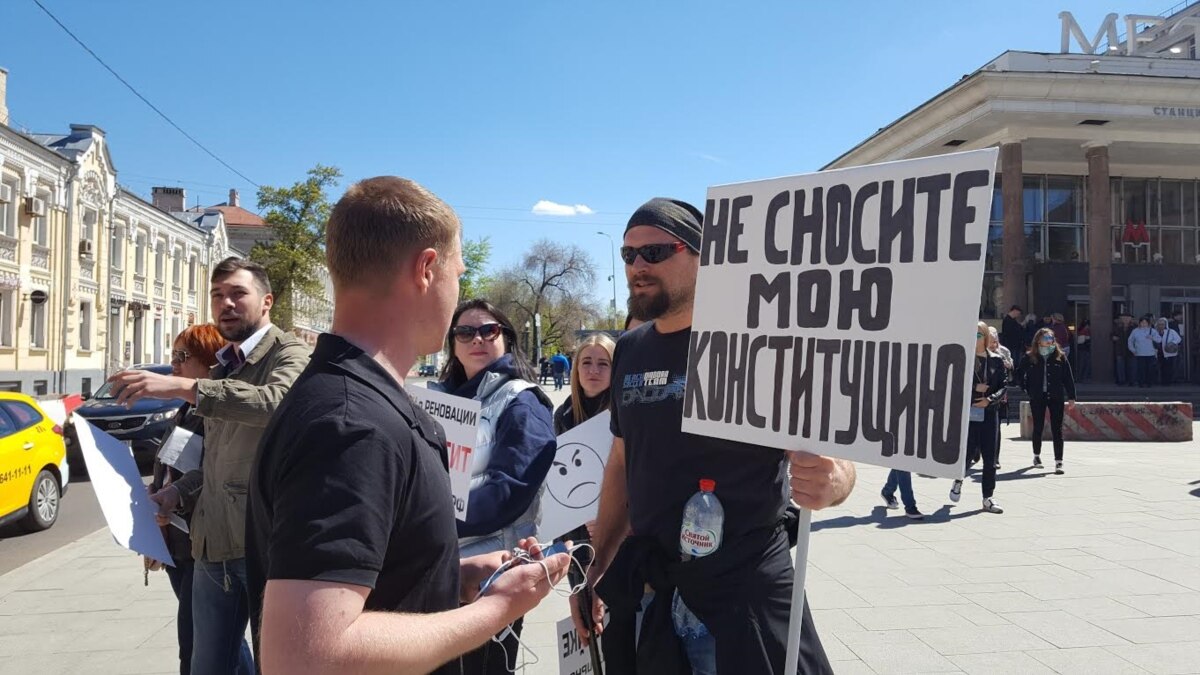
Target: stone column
<point>1099,234</point>
<point>1013,257</point>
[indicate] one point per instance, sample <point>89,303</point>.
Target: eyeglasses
<point>651,253</point>
<point>1048,339</point>
<point>179,356</point>
<point>466,334</point>
<point>978,335</point>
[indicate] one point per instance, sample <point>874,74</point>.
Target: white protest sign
<point>573,656</point>
<point>182,450</point>
<point>572,494</point>
<point>459,418</point>
<point>861,294</point>
<point>123,498</point>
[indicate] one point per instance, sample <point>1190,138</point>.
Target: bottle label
<point>699,542</point>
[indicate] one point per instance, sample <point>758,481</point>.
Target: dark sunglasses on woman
<point>651,253</point>
<point>466,334</point>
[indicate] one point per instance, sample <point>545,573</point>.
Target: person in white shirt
<point>1141,343</point>
<point>1167,345</point>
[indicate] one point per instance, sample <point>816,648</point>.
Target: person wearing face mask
<point>986,390</point>
<point>1141,343</point>
<point>1045,375</point>
<point>513,452</point>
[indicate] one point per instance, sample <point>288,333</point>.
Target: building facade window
<point>9,196</point>
<point>139,266</point>
<point>116,247</point>
<point>192,285</point>
<point>7,309</point>
<point>85,326</point>
<point>90,218</point>
<point>160,261</point>
<point>37,325</point>
<point>40,387</point>
<point>177,269</point>
<point>1155,221</point>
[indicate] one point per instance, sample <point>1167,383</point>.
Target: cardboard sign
<point>861,295</point>
<point>573,656</point>
<point>123,498</point>
<point>572,494</point>
<point>182,450</point>
<point>459,418</point>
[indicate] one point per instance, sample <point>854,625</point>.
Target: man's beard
<point>646,307</point>
<point>239,332</point>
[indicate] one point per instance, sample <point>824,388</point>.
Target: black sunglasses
<point>466,334</point>
<point>651,253</point>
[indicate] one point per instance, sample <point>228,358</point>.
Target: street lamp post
<point>613,277</point>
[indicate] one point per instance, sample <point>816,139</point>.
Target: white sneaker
<point>956,490</point>
<point>991,506</point>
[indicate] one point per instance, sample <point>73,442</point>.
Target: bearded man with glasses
<point>730,609</point>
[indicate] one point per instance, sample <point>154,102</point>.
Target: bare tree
<point>554,281</point>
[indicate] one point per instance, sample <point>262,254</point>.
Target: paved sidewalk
<point>1094,572</point>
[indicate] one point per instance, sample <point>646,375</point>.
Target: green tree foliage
<point>295,252</point>
<point>475,283</point>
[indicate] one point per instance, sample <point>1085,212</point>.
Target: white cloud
<point>546,207</point>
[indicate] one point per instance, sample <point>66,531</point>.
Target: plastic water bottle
<point>703,522</point>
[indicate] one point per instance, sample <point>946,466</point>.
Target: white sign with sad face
<point>572,494</point>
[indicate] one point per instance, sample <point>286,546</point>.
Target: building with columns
<point>1097,204</point>
<point>92,277</point>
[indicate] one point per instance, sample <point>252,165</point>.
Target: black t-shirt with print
<point>664,465</point>
<point>351,486</point>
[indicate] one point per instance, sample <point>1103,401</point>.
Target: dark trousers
<point>981,440</point>
<point>1166,368</point>
<point>1145,370</point>
<point>181,583</point>
<point>492,658</point>
<point>1039,406</point>
<point>1121,372</point>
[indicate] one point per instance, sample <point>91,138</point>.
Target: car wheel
<point>43,503</point>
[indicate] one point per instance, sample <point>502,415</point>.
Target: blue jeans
<point>1120,371</point>
<point>699,645</point>
<point>181,582</point>
<point>220,614</point>
<point>559,380</point>
<point>903,480</point>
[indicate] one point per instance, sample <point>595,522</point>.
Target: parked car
<point>33,464</point>
<point>142,426</point>
<point>427,370</point>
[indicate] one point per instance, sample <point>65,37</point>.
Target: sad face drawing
<point>574,478</point>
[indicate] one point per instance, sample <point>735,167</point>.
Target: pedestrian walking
<point>1009,371</point>
<point>1045,376</point>
<point>987,389</point>
<point>560,366</point>
<point>902,480</point>
<point>1012,333</point>
<point>352,543</point>
<point>1167,346</point>
<point>1123,358</point>
<point>1141,344</point>
<point>513,452</point>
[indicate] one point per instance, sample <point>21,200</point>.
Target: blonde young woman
<point>590,380</point>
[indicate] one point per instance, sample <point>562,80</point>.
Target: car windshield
<point>106,392</point>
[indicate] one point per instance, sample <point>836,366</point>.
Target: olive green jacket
<point>236,407</point>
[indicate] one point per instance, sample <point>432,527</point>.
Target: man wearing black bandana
<point>729,609</point>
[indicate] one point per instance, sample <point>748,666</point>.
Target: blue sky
<point>496,106</point>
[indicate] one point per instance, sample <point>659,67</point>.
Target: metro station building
<point>1097,204</point>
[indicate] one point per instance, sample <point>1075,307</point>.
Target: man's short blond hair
<point>379,223</point>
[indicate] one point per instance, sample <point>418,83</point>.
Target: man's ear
<point>268,301</point>
<point>422,269</point>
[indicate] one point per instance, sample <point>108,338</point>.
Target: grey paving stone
<point>1086,661</point>
<point>1004,663</point>
<point>896,651</point>
<point>1012,601</point>
<point>1154,629</point>
<point>1181,658</point>
<point>896,618</point>
<point>1064,630</point>
<point>1090,609</point>
<point>980,639</point>
<point>1173,604</point>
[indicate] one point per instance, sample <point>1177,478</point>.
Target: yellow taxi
<point>33,463</point>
